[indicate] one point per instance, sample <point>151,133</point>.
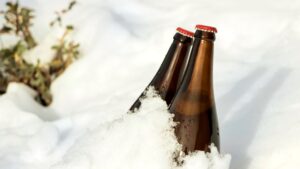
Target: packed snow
<point>256,82</point>
<point>144,139</point>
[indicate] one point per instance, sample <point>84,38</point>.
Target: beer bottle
<point>169,75</point>
<point>194,105</point>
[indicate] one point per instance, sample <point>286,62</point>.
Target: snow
<point>144,139</point>
<point>256,81</point>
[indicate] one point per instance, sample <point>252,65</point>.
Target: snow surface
<point>256,80</point>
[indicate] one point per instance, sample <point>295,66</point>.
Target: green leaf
<point>70,27</point>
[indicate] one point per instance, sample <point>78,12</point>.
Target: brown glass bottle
<point>169,75</point>
<point>194,104</point>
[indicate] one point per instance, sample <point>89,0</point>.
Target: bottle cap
<point>185,32</point>
<point>206,28</point>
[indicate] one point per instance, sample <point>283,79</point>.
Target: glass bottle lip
<point>182,38</point>
<point>205,35</point>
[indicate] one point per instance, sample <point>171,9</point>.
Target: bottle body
<point>169,75</point>
<point>194,104</point>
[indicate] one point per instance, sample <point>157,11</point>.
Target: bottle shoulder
<point>193,103</point>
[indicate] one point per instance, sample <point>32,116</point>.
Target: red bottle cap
<point>206,28</point>
<point>185,32</point>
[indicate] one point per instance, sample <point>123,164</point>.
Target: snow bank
<point>144,139</point>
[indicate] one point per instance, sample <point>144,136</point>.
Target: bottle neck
<point>198,80</point>
<point>201,74</point>
<point>167,77</point>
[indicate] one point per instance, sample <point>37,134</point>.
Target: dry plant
<point>13,66</point>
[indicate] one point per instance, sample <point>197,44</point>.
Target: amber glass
<point>169,75</point>
<point>194,104</point>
